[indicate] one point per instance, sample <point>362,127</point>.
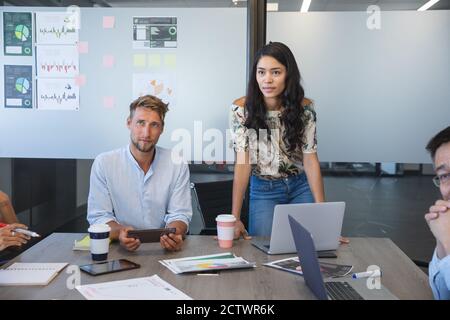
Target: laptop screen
<point>308,259</point>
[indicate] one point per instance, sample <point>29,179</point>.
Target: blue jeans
<point>265,194</point>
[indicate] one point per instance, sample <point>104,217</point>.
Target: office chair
<point>211,199</point>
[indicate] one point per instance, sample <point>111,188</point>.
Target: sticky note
<point>109,102</point>
<point>154,60</point>
<point>139,60</point>
<point>83,47</point>
<point>80,80</point>
<point>108,61</point>
<point>108,22</point>
<point>170,60</point>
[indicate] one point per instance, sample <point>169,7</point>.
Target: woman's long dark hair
<point>291,97</point>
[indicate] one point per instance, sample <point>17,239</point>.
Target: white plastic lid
<point>99,228</point>
<point>226,218</point>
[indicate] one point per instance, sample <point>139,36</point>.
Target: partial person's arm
<point>100,207</point>
<point>242,166</point>
<point>242,171</point>
<point>9,238</point>
<point>7,213</point>
<point>312,170</point>
<point>438,220</point>
<point>439,277</point>
<point>179,211</point>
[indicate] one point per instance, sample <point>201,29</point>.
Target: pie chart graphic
<point>22,85</point>
<point>22,32</point>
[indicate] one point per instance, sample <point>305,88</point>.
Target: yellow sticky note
<point>170,60</point>
<point>154,60</point>
<point>83,244</point>
<point>139,60</point>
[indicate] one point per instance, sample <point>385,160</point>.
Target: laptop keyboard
<point>342,291</point>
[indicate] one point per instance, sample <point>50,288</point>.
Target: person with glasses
<point>141,186</point>
<point>438,218</point>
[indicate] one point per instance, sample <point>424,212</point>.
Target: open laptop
<point>332,289</point>
<point>323,219</point>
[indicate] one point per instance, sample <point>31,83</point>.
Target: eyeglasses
<point>441,179</point>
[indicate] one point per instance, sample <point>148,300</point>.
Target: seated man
<point>438,218</point>
<point>9,222</point>
<point>139,186</point>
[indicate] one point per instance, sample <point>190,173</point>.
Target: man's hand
<point>438,219</point>
<point>9,238</point>
<point>440,206</point>
<point>172,241</point>
<point>239,230</point>
<point>131,244</point>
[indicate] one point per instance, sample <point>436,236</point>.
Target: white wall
<point>210,73</point>
<point>380,94</point>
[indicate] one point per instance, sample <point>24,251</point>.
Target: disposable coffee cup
<point>99,240</point>
<point>225,230</point>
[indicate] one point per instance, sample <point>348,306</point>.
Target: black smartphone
<point>149,235</point>
<point>96,269</point>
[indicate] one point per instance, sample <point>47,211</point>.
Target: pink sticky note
<point>108,61</point>
<point>83,47</point>
<point>108,22</point>
<point>80,80</point>
<point>108,102</point>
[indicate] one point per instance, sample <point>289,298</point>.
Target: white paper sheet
<point>56,28</point>
<point>161,85</point>
<point>57,94</point>
<point>56,61</point>
<point>147,288</point>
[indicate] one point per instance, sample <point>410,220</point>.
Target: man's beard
<point>142,148</point>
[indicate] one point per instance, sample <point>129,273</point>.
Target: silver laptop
<point>332,289</point>
<point>324,220</point>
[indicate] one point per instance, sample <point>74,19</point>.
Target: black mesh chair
<point>211,199</point>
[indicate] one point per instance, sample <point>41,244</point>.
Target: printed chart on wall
<point>57,61</point>
<point>154,32</point>
<point>161,85</point>
<point>17,34</point>
<point>18,86</point>
<point>58,94</point>
<point>55,28</point>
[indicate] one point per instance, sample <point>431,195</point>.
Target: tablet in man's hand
<point>149,235</point>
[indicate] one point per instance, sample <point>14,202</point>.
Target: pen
<point>27,232</point>
<point>20,230</point>
<point>373,273</point>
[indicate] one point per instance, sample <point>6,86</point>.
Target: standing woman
<point>274,137</point>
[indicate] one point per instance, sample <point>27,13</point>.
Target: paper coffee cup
<point>225,230</point>
<point>99,241</point>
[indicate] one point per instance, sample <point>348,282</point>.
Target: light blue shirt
<point>439,277</point>
<point>120,191</point>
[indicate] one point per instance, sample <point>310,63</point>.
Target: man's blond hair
<point>150,102</point>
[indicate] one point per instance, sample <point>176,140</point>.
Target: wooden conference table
<point>400,275</point>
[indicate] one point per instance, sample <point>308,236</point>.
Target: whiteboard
<point>208,74</point>
<point>380,95</point>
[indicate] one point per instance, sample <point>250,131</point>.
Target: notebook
<point>30,274</point>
